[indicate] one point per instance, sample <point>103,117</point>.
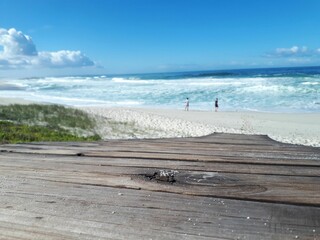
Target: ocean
<point>266,90</point>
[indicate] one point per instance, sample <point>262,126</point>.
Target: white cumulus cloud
<point>62,58</point>
<point>296,55</point>
<point>16,43</point>
<point>20,51</point>
<point>295,50</point>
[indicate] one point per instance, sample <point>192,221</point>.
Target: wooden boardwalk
<point>221,186</point>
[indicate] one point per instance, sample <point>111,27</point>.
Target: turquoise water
<point>271,90</point>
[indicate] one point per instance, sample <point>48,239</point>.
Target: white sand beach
<point>295,128</point>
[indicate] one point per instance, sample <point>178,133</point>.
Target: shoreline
<point>8,101</point>
<point>293,128</point>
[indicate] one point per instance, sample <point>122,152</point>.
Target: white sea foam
<point>215,83</point>
<point>289,94</point>
<point>60,80</point>
<point>269,89</point>
<point>66,100</point>
<point>310,83</point>
<point>132,81</point>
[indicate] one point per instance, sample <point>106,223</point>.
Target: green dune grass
<point>35,122</point>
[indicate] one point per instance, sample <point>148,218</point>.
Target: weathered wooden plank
<point>259,187</point>
<point>66,210</point>
<point>231,157</point>
<point>180,149</point>
<point>226,187</point>
<point>74,162</point>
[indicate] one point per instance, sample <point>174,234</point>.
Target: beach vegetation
<point>19,133</point>
<point>39,122</point>
<point>128,129</point>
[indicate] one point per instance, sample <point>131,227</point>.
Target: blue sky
<point>131,36</point>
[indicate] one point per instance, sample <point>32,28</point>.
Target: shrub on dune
<point>36,122</point>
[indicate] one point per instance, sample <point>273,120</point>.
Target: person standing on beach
<point>186,108</point>
<point>216,105</point>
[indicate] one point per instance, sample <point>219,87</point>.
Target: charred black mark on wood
<point>163,176</point>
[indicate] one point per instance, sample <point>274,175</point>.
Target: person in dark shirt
<point>216,105</point>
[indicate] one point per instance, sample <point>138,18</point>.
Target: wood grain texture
<point>226,186</point>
